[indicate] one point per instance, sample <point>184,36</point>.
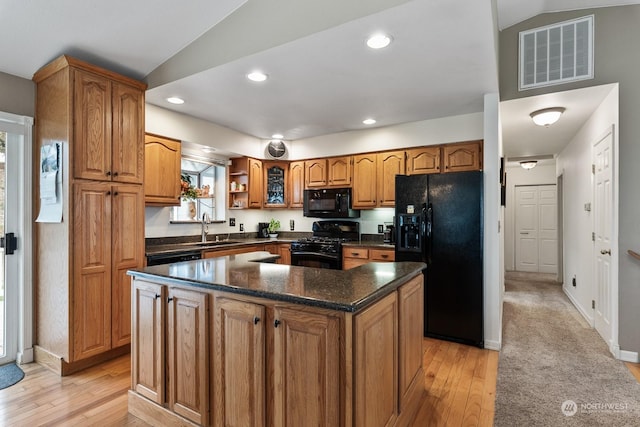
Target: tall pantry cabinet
<point>83,296</point>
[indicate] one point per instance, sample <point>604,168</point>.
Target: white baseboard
<point>492,345</point>
<point>578,307</point>
<point>26,356</point>
<point>628,356</point>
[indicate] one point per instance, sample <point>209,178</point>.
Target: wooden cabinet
<point>108,127</point>
<point>240,363</point>
<point>423,160</point>
<point>162,167</point>
<point>108,240</point>
<point>374,179</point>
<point>188,350</point>
<point>170,351</point>
<point>306,368</point>
<point>273,362</point>
<point>410,333</point>
<point>148,374</point>
<point>462,157</point>
<point>83,308</point>
<point>390,164</point>
<point>339,171</point>
<point>365,168</point>
<point>328,172</point>
<point>296,184</point>
<point>355,256</point>
<point>246,174</point>
<point>276,184</point>
<point>282,249</point>
<point>376,355</point>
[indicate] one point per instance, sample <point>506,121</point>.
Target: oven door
<point>316,259</point>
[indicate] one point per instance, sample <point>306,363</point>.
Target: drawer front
<point>355,253</point>
<point>382,255</point>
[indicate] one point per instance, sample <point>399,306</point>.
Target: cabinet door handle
<point>108,193</point>
<point>115,174</point>
<point>169,299</point>
<point>157,296</point>
<point>108,173</point>
<point>256,319</point>
<point>605,252</point>
<point>115,193</point>
<point>276,323</point>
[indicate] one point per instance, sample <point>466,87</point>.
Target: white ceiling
<point>324,80</point>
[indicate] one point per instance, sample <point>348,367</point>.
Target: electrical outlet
<point>292,225</point>
<point>573,281</point>
<point>232,222</point>
<point>380,228</point>
<point>241,227</point>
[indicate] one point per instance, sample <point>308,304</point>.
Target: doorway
<point>536,229</point>
<point>15,230</point>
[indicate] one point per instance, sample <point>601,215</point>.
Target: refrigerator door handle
<point>428,222</point>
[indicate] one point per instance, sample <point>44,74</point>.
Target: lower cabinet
<point>304,366</point>
<point>260,362</point>
<point>282,249</point>
<point>173,322</point>
<point>355,256</point>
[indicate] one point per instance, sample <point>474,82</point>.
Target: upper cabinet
<point>423,160</point>
<point>276,188</point>
<point>364,181</point>
<point>462,157</point>
<point>245,183</point>
<point>161,171</point>
<point>390,164</point>
<point>374,178</point>
<point>296,184</point>
<point>108,128</point>
<point>328,172</point>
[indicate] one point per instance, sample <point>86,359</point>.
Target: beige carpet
<point>553,369</point>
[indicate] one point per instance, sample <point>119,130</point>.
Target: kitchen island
<point>238,340</point>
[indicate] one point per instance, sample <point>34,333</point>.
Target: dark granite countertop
<point>369,244</point>
<point>176,248</point>
<point>251,274</point>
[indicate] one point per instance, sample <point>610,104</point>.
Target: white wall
<point>516,175</point>
<point>574,164</point>
<point>185,128</point>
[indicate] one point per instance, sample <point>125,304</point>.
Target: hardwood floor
<point>460,384</point>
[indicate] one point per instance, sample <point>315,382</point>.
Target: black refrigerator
<point>439,221</point>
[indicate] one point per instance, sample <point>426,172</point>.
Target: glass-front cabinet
<point>275,184</point>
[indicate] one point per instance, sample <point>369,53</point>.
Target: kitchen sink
<point>214,243</point>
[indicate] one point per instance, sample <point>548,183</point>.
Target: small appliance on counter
<point>263,229</point>
<point>389,235</point>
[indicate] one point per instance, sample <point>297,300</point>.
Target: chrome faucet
<point>206,219</point>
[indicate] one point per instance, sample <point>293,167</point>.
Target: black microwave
<point>329,203</point>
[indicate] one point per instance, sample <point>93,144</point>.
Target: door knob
<point>605,252</point>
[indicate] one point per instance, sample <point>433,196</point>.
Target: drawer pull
<point>355,253</point>
<point>385,256</point>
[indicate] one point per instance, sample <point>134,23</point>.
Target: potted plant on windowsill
<point>274,226</point>
<point>188,193</point>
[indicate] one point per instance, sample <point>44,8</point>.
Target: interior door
<point>527,228</point>
<point>536,229</point>
<point>603,157</point>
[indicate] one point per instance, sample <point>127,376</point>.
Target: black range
<point>324,248</point>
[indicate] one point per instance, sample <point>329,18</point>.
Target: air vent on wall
<point>556,54</point>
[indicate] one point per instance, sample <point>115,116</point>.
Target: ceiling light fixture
<point>257,76</point>
<point>209,150</point>
<point>528,164</point>
<point>547,116</point>
<point>175,100</point>
<point>369,121</point>
<point>277,136</point>
<point>378,41</point>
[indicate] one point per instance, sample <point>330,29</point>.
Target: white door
<point>536,229</point>
<point>527,228</point>
<point>15,217</point>
<point>603,198</point>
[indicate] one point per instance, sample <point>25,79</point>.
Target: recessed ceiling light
<point>175,100</point>
<point>277,136</point>
<point>378,41</point>
<point>369,121</point>
<point>257,76</point>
